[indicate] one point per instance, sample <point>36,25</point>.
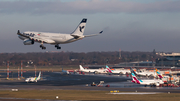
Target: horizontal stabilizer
<point>93,34</point>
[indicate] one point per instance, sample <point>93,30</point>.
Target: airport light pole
<point>18,74</point>
<point>35,70</point>
<point>21,69</point>
<point>8,70</point>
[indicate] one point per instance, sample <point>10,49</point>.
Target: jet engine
<point>157,84</point>
<point>28,42</point>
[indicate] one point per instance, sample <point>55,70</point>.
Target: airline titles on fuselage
<point>29,34</point>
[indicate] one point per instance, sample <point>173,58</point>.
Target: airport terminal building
<point>164,60</point>
<point>168,59</point>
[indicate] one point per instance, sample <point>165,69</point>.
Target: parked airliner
<point>118,71</point>
<point>93,70</point>
<point>33,79</point>
<point>152,82</point>
<point>144,72</point>
<point>29,37</point>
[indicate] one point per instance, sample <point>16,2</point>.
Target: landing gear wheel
<point>57,46</point>
<point>41,46</point>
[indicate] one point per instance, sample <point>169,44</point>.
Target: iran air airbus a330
<point>30,37</point>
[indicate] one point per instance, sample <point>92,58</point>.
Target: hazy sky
<point>129,25</point>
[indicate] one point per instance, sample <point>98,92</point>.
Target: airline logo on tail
<point>108,69</point>
<point>37,78</point>
<point>135,80</point>
<point>80,28</point>
<point>159,74</point>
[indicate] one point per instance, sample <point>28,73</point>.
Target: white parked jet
<point>153,82</point>
<point>93,70</point>
<point>33,79</point>
<point>118,71</point>
<point>144,72</point>
<point>30,37</point>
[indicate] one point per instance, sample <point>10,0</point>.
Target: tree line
<point>75,58</point>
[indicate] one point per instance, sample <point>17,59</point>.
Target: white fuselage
<point>95,70</point>
<point>150,82</point>
<point>51,38</point>
<point>31,79</point>
<point>146,73</point>
<point>120,71</point>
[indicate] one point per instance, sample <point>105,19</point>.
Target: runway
<point>55,80</point>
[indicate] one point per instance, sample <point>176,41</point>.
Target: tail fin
<point>38,78</point>
<point>79,31</point>
<point>132,71</point>
<point>81,68</point>
<point>135,79</point>
<point>159,74</point>
<point>108,69</point>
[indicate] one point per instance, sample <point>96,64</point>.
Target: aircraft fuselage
<point>56,38</point>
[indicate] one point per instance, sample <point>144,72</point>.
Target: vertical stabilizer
<point>159,74</point>
<point>81,68</point>
<point>108,69</point>
<point>132,71</point>
<point>39,76</point>
<point>79,31</point>
<point>135,79</point>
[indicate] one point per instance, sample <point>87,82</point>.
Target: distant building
<point>168,59</point>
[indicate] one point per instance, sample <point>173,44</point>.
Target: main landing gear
<point>57,46</point>
<point>41,46</point>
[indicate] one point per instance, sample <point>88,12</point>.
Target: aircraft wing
<point>18,33</point>
<point>37,39</point>
<point>93,34</point>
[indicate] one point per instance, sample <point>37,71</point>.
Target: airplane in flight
<point>33,79</point>
<point>30,37</point>
<point>92,70</point>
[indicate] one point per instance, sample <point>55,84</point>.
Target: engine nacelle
<point>28,42</point>
<point>157,84</point>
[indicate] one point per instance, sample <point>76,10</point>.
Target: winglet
<point>100,32</point>
<point>18,32</point>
